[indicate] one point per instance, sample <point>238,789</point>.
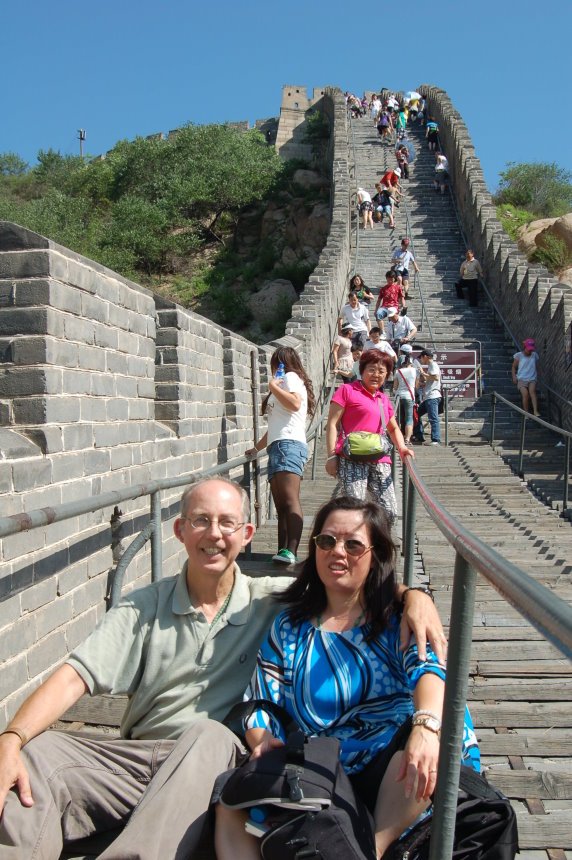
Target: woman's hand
<point>332,467</point>
<point>419,763</point>
<point>406,452</point>
<point>421,619</point>
<point>251,452</point>
<point>268,742</point>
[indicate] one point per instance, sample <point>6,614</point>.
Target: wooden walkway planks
<point>520,690</point>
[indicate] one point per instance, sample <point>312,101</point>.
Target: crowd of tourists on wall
<point>341,649</point>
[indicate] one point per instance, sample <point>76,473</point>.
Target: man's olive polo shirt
<point>158,649</point>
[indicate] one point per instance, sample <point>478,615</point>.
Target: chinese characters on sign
<point>456,366</point>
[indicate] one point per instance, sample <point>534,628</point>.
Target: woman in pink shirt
<point>356,406</point>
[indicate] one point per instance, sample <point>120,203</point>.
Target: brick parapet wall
<point>104,385</point>
<point>530,299</point>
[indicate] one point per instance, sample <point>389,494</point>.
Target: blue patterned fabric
<point>339,684</point>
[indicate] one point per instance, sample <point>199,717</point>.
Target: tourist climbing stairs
<point>429,220</point>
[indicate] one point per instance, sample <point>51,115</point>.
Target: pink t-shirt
<point>361,410</point>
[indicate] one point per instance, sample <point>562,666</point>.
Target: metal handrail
<point>417,278</point>
<point>546,612</point>
<point>526,416</point>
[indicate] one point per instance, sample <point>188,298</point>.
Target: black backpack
<point>485,828</point>
<point>304,772</point>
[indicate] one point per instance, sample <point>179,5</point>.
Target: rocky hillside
<point>549,240</point>
<point>276,245</point>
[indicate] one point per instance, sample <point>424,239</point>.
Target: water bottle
<point>280,372</point>
<point>258,813</point>
<point>256,823</point>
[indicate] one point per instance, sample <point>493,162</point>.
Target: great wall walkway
<point>520,689</point>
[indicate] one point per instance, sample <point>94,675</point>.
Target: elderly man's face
<point>213,529</point>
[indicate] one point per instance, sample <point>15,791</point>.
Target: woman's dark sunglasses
<point>351,546</point>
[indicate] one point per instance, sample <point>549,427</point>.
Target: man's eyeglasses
<point>352,546</point>
<point>201,524</point>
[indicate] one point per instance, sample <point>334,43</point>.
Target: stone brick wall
<point>531,300</point>
<point>104,385</point>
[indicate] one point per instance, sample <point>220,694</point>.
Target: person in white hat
<point>405,382</point>
<point>399,329</point>
<point>391,180</point>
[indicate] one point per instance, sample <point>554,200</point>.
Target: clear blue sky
<point>124,68</point>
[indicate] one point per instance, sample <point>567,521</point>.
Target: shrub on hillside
<point>544,189</point>
<point>512,219</point>
<point>552,253</point>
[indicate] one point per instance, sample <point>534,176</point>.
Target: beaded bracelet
<point>422,588</point>
<point>423,713</point>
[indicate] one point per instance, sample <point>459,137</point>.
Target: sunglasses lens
<point>351,546</point>
<point>326,541</point>
<point>354,547</point>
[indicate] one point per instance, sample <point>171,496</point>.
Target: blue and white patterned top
<point>341,685</point>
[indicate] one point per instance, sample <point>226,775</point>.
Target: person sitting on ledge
<point>183,650</point>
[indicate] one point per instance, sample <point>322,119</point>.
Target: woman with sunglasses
<point>333,660</point>
<point>358,406</point>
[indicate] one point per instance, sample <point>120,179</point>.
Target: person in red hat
<point>525,374</point>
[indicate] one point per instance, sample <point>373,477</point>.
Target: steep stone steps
<point>438,247</point>
<point>512,670</point>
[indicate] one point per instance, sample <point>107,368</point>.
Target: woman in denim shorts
<point>287,404</point>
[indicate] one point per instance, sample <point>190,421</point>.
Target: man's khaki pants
<point>83,786</point>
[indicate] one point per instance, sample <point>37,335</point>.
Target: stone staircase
<point>430,221</point>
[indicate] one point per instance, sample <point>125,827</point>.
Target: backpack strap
<point>407,384</point>
<point>383,422</point>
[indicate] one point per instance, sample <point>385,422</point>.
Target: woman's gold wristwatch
<point>432,724</point>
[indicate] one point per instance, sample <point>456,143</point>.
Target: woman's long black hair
<point>291,360</point>
<point>353,286</point>
<point>306,596</point>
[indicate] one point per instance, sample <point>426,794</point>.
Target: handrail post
<point>247,484</point>
<point>446,409</point>
<point>404,495</point>
<point>156,537</point>
<point>409,530</point>
<point>255,388</point>
<point>314,456</point>
<point>493,417</point>
<point>521,452</point>
<point>566,473</point>
<point>458,665</point>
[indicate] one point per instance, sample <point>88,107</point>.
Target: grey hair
<point>245,502</point>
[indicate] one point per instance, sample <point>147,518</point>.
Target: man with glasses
<point>183,650</point>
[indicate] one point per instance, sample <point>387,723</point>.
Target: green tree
<point>57,171</point>
<point>12,165</point>
<point>542,188</point>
